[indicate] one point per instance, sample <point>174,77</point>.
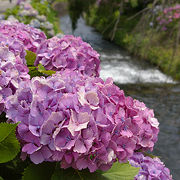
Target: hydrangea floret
<point>16,47</point>
<point>150,168</point>
<point>29,36</point>
<point>79,120</point>
<point>69,52</point>
<point>13,69</point>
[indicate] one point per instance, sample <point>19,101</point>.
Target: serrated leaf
<point>121,171</point>
<point>41,69</point>
<point>42,171</point>
<point>30,58</point>
<point>118,171</point>
<point>9,145</point>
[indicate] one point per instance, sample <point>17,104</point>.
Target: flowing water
<point>144,82</point>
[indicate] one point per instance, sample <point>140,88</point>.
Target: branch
<point>117,22</point>
<point>143,10</point>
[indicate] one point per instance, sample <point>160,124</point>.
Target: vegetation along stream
<point>143,82</point>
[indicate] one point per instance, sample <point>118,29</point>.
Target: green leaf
<point>3,117</point>
<point>150,155</point>
<point>48,171</point>
<point>30,58</point>
<point>150,5</point>
<point>41,69</point>
<point>6,129</point>
<point>118,171</point>
<point>42,171</point>
<point>134,3</point>
<point>1,178</point>
<point>64,174</point>
<point>33,72</point>
<point>121,171</point>
<point>74,174</point>
<point>9,145</point>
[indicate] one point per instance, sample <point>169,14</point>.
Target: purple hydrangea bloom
<point>150,168</point>
<point>15,46</point>
<point>12,69</point>
<point>68,52</point>
<point>29,36</point>
<point>79,120</point>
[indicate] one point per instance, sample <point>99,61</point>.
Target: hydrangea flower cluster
<point>69,52</point>
<point>13,69</point>
<point>169,16</point>
<point>27,9</point>
<point>150,168</point>
<point>33,15</point>
<point>79,120</point>
<point>29,36</point>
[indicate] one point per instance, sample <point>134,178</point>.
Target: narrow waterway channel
<point>144,82</point>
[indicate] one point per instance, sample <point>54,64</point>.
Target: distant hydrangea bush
<point>13,69</point>
<point>169,17</point>
<point>27,10</point>
<point>79,120</point>
<point>150,168</point>
<point>69,52</point>
<point>29,36</point>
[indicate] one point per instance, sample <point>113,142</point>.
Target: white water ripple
<point>124,72</point>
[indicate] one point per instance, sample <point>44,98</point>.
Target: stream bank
<point>139,37</point>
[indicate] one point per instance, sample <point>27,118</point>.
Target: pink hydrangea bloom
<point>168,16</point>
<point>15,46</point>
<point>150,168</point>
<point>79,120</point>
<point>12,69</point>
<point>68,52</point>
<point>29,36</point>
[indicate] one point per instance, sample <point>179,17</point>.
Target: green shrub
<point>43,9</point>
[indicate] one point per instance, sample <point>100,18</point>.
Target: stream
<point>144,82</point>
